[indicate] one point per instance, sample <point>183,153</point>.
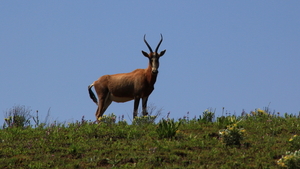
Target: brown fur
<point>124,87</point>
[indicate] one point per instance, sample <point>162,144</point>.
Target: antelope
<point>124,87</point>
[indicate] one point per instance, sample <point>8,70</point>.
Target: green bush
<point>207,116</point>
<point>232,135</point>
<point>109,119</point>
<point>224,121</point>
<point>290,160</point>
<point>17,116</point>
<point>167,128</point>
<point>144,120</point>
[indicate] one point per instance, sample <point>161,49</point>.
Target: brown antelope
<point>124,87</point>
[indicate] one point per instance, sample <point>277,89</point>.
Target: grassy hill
<point>255,140</point>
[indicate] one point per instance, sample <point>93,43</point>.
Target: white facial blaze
<point>154,64</point>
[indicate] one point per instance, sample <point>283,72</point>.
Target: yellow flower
<point>235,125</point>
<point>260,111</point>
<point>280,163</point>
<point>243,130</point>
<point>287,157</point>
<point>291,139</point>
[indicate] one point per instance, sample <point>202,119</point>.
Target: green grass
<point>196,144</point>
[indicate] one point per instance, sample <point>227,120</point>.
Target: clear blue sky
<point>232,54</point>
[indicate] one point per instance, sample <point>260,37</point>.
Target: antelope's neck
<point>151,78</point>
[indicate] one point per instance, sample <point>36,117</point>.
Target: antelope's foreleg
<point>136,106</point>
<point>144,102</point>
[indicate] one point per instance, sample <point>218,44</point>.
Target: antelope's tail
<point>92,95</point>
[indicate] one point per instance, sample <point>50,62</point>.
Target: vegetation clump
<point>167,128</point>
<point>290,160</point>
<point>232,135</point>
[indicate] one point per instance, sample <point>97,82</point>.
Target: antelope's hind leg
<point>96,114</point>
<point>103,104</point>
<point>99,111</point>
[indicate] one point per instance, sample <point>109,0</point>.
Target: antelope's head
<point>154,56</point>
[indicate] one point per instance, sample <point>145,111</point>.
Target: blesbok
<point>124,87</point>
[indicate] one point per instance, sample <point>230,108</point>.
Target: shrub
<point>144,120</point>
<point>109,119</point>
<point>260,112</point>
<point>167,128</point>
<point>207,116</point>
<point>224,121</point>
<point>232,135</point>
<point>290,160</point>
<point>17,116</point>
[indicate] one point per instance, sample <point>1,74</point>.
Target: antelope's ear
<point>145,53</point>
<point>162,53</point>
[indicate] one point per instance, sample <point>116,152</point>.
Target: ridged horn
<point>161,39</point>
<point>147,44</point>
